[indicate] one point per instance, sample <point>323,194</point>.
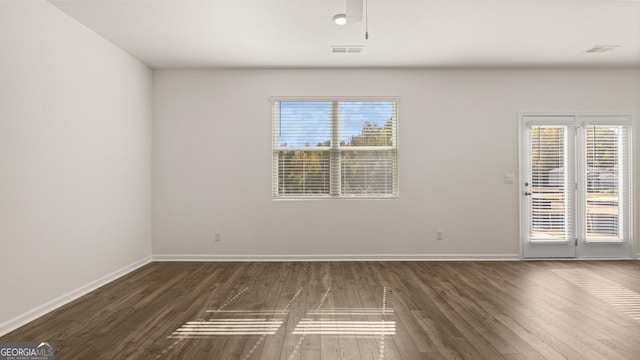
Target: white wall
<point>75,157</point>
<point>458,136</point>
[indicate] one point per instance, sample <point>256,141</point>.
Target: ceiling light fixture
<point>340,19</point>
<point>355,10</point>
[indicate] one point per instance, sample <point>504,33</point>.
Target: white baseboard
<point>580,259</point>
<point>372,257</point>
<point>43,309</point>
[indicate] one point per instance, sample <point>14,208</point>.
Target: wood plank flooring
<point>354,311</point>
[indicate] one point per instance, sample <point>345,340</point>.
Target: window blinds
<point>301,143</point>
<point>335,148</point>
<point>551,187</point>
<point>606,201</point>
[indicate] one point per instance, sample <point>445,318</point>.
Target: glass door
<point>576,186</point>
<point>604,199</point>
<point>548,187</point>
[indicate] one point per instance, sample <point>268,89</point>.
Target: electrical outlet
<point>439,235</point>
<point>218,236</point>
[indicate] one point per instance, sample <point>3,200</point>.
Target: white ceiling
<point>403,33</point>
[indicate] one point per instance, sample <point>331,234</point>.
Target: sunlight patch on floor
<point>610,292</point>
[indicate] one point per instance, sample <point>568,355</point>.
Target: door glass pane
<point>603,182</point>
<point>548,207</point>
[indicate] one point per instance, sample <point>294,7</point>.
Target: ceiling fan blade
<point>354,11</point>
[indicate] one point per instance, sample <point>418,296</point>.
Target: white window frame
<point>335,166</point>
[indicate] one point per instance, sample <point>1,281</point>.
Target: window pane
<point>303,173</point>
<point>367,123</point>
<point>334,148</point>
<point>603,166</point>
<point>548,188</point>
<point>368,173</point>
<point>303,123</point>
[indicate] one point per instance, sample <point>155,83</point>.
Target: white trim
<point>368,148</point>
<point>604,241</point>
<point>330,98</point>
<point>301,148</point>
<point>325,197</point>
<point>617,119</point>
<point>548,242</point>
<point>575,113</point>
<point>342,257</point>
<point>582,259</point>
<point>47,307</point>
<point>521,189</point>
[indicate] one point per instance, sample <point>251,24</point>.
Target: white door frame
<point>578,221</point>
<point>564,247</point>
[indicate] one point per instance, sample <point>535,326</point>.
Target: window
<point>335,149</point>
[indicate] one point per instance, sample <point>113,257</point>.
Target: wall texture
<point>75,157</point>
<point>458,136</point>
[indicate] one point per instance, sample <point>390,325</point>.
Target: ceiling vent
<point>602,48</point>
<point>347,49</point>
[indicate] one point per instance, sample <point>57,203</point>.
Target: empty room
<point>319,179</point>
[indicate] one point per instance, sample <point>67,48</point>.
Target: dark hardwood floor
<point>354,310</point>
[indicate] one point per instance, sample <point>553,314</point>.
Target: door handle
<point>526,193</point>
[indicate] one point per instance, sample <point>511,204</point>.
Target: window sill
<point>321,198</point>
